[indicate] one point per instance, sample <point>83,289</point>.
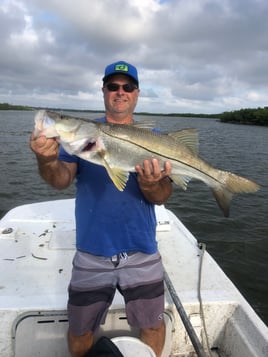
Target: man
<point>115,231</point>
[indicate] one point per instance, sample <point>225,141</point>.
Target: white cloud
<point>192,55</point>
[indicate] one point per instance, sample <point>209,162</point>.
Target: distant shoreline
<point>6,106</point>
<point>248,116</point>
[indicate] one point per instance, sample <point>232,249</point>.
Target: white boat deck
<point>37,244</point>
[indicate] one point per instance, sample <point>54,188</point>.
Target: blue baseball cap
<point>121,67</point>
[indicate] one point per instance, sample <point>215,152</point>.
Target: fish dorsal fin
<point>117,175</point>
<point>187,137</point>
<point>144,124</point>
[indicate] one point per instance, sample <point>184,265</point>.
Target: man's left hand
<point>151,173</point>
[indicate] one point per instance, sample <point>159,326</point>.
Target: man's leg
<point>154,337</point>
<point>79,345</point>
<point>142,286</point>
<point>91,292</point>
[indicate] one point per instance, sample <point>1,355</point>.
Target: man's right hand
<point>45,149</point>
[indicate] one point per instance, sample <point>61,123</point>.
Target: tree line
<point>7,106</point>
<point>248,116</point>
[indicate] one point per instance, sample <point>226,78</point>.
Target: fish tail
<point>231,184</point>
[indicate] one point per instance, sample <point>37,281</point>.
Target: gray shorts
<point>138,277</point>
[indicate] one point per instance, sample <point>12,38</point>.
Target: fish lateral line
<point>180,180</point>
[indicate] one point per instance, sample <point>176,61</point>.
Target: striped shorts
<point>138,277</point>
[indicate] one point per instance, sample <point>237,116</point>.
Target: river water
<point>238,243</point>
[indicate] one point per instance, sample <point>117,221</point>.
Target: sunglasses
<point>128,87</point>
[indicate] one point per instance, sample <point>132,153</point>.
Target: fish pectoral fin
<point>117,175</point>
<point>187,137</point>
<point>181,181</point>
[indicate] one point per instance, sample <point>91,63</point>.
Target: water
<point>239,243</point>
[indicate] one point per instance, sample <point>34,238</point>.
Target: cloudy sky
<point>198,56</point>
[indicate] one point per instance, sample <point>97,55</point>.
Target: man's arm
<point>57,173</point>
<point>155,183</point>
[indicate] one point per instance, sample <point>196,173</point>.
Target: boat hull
<point>37,244</point>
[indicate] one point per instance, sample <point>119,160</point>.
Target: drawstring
<point>123,255</point>
<point>115,259</point>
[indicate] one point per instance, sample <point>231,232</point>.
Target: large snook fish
<point>119,148</point>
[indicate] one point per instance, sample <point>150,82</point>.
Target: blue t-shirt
<point>109,221</point>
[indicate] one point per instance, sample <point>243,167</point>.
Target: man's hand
<point>58,174</point>
<point>154,182</point>
<point>45,149</point>
<point>151,173</point>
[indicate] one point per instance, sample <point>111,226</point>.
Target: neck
<point>119,118</point>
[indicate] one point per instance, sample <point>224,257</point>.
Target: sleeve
<point>64,156</point>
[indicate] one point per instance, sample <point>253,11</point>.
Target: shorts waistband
<point>115,259</point>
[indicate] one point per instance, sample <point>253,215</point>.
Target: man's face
<point>117,100</point>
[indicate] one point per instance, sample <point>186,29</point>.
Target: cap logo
<point>121,67</point>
